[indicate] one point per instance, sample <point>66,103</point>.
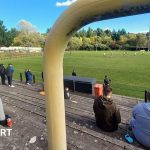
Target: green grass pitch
<point>129,71</point>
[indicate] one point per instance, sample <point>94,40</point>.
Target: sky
<point>44,13</point>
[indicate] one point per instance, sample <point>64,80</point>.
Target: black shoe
<point>4,122</point>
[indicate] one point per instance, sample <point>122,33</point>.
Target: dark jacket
<point>107,81</point>
<point>29,75</point>
<point>2,70</point>
<point>106,113</point>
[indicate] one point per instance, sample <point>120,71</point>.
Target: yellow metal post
<point>81,13</point>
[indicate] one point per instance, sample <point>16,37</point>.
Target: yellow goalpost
<point>79,14</point>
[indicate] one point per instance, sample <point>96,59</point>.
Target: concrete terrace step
<point>27,108</point>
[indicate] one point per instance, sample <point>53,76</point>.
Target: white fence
<point>21,49</point>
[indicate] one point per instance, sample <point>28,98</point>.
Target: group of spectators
<point>108,116</point>
<point>7,73</point>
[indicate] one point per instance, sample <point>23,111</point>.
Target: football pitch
<point>129,71</point>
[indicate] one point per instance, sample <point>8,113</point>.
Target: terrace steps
<point>27,109</point>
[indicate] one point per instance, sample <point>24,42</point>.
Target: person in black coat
<point>74,73</point>
<point>2,73</point>
<point>107,81</point>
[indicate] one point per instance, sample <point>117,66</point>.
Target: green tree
<point>115,35</point>
<point>123,42</point>
<point>94,42</point>
<point>141,40</point>
<point>108,32</point>
<point>3,34</point>
<point>75,43</point>
<point>11,35</point>
<point>29,39</point>
<point>131,39</point>
<point>86,44</point>
<point>122,32</point>
<point>100,32</point>
<point>81,33</point>
<point>90,32</point>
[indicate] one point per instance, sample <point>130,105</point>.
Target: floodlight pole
<point>79,14</point>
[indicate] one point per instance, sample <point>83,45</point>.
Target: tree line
<point>99,39</point>
<point>26,35</point>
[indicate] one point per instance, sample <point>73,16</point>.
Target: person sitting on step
<point>140,122</point>
<point>106,112</point>
<point>66,93</point>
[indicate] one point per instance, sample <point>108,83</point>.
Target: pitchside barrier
<point>74,83</point>
<point>80,84</point>
<point>21,77</point>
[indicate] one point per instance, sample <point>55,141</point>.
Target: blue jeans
<point>9,80</point>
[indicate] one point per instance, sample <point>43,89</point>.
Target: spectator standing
<point>29,76</point>
<point>2,73</point>
<point>74,73</point>
<point>106,81</point>
<point>9,74</point>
